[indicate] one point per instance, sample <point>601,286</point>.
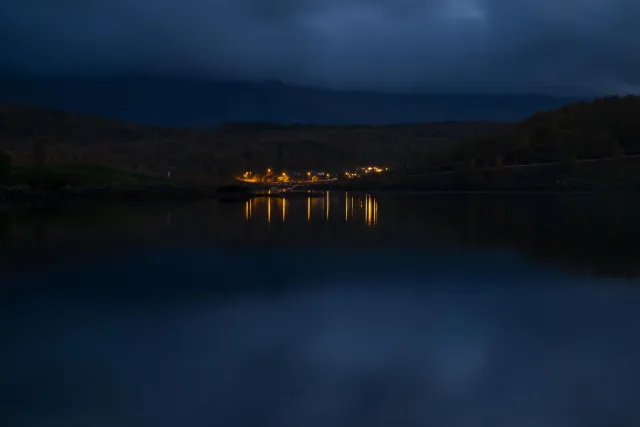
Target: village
<point>271,177</point>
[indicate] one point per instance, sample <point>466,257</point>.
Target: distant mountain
<point>187,102</point>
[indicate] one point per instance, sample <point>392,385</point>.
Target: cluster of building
<point>364,171</point>
<point>270,176</point>
<point>280,177</point>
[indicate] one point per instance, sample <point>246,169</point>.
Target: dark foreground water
<point>347,310</point>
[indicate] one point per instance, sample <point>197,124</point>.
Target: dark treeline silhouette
<point>218,153</point>
<point>604,128</point>
<point>581,146</point>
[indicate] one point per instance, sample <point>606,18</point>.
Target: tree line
<point>606,127</point>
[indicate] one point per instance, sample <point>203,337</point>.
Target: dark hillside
<point>220,152</point>
<point>548,149</point>
<point>605,127</point>
<point>581,146</point>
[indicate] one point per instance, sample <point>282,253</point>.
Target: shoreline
<point>461,190</point>
<point>24,194</point>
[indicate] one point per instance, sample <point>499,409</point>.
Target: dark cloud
<point>522,45</point>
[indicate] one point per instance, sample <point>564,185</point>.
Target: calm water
<point>345,310</point>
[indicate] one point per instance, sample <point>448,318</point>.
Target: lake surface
<point>343,310</point>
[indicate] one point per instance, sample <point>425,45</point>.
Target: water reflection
<point>327,195</point>
<point>269,209</point>
<point>247,209</point>
<point>346,207</point>
<point>284,209</point>
<point>350,353</point>
<point>584,233</point>
<point>371,211</point>
<point>359,207</point>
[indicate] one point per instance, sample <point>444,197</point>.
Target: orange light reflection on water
<point>328,203</point>
<point>284,209</point>
<point>247,209</point>
<point>355,207</point>
<point>346,207</point>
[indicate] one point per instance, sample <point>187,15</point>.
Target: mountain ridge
<point>172,101</point>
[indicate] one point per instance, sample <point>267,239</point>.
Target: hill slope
<point>223,151</point>
<point>605,127</point>
<point>571,135</point>
<point>581,146</point>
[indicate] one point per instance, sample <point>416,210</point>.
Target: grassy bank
<point>78,175</point>
<point>82,181</point>
<point>592,175</point>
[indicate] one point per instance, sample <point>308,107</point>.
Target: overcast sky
<point>553,46</point>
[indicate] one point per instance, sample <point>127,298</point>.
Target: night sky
<point>552,46</point>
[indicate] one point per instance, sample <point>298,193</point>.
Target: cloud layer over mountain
<point>568,47</point>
